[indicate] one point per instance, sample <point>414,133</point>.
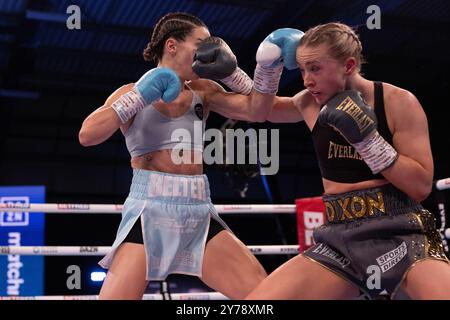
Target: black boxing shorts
<point>373,237</point>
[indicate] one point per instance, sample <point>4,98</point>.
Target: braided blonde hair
<point>342,41</point>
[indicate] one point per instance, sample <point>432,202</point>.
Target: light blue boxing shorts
<point>175,213</point>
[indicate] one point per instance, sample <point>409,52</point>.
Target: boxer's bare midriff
<point>161,161</point>
<point>332,187</point>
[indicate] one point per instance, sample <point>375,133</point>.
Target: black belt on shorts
<point>370,203</point>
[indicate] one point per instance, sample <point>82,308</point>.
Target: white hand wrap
<point>266,79</point>
<point>239,82</point>
<point>128,105</point>
<point>267,76</point>
<point>376,152</point>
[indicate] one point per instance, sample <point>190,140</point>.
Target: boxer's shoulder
<point>205,87</point>
<point>397,99</point>
<point>402,108</point>
<point>394,93</point>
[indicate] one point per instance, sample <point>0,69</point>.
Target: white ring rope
<point>155,296</point>
<point>103,250</point>
<point>443,184</point>
<point>117,208</point>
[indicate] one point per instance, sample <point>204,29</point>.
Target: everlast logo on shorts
<point>354,207</point>
<point>326,251</point>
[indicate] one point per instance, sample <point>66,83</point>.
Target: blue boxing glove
<point>158,83</point>
<point>349,114</point>
<point>287,40</point>
<point>277,50</point>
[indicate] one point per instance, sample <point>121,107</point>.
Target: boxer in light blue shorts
<point>170,215</point>
<point>168,222</point>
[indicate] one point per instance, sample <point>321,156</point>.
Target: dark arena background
<point>52,77</point>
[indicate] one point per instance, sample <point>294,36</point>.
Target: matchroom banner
<point>22,275</point>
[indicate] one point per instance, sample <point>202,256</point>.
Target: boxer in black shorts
<point>373,148</point>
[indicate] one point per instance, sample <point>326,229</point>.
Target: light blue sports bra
<point>151,130</point>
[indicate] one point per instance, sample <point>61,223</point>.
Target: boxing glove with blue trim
<point>158,83</point>
<point>277,50</point>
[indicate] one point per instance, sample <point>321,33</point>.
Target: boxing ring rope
<point>117,208</point>
<point>61,208</point>
<point>442,184</point>
<point>103,250</point>
<point>153,296</point>
<point>71,208</point>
